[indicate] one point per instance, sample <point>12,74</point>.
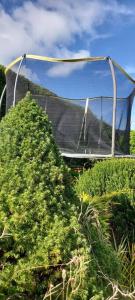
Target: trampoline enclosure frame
<point>111,63</point>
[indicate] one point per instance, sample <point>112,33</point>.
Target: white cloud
<point>65,69</point>
<point>103,73</point>
<point>29,74</point>
<point>47,26</point>
<point>118,9</point>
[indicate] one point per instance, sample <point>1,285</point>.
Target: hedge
<point>108,176</point>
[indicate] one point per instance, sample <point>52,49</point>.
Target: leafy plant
<point>113,218</point>
<point>104,259</point>
<point>104,180</point>
<point>126,254</point>
<point>108,189</point>
<point>116,209</point>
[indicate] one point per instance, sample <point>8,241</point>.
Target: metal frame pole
<point>114,105</point>
<point>2,95</point>
<point>83,123</point>
<point>16,79</point>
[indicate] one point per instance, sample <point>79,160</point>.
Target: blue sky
<point>64,27</point>
<point>67,28</point>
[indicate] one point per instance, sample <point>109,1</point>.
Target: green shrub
<point>2,84</point>
<point>108,176</point>
<point>105,265</point>
<point>41,243</point>
<point>109,187</point>
<point>112,176</point>
<point>45,252</point>
<point>132,142</point>
<point>96,223</point>
<point>122,221</point>
<point>118,210</point>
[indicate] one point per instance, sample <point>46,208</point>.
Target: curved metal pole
<point>2,95</point>
<point>114,105</point>
<point>16,79</point>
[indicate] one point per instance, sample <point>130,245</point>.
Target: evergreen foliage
<point>39,231</point>
<point>50,249</point>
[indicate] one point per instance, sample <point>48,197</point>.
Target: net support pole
<point>83,126</point>
<point>16,79</point>
<point>114,105</point>
<point>2,95</point>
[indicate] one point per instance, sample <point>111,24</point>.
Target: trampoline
<point>88,100</point>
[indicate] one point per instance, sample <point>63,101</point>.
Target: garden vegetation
<point>132,142</point>
<point>55,242</point>
<point>109,188</point>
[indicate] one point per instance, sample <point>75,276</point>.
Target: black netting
<point>125,94</point>
<point>78,98</point>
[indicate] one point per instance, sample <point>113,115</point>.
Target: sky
<point>69,28</point>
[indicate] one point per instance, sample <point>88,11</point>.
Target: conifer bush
<point>40,237</point>
<point>49,247</point>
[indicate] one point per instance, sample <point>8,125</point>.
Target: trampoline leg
<point>114,106</point>
<point>16,79</point>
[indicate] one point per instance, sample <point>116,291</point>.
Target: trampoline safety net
<point>78,97</point>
